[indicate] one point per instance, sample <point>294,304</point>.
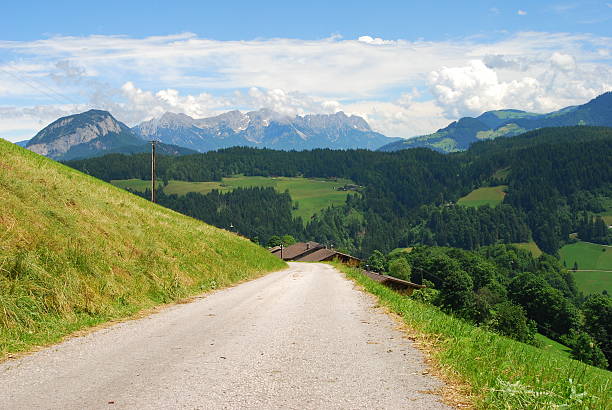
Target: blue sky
<point>408,67</point>
<point>244,20</point>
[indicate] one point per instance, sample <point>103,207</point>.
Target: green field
<point>529,246</point>
<point>590,256</point>
<point>593,281</point>
<point>311,194</point>
<point>484,196</point>
<point>592,259</point>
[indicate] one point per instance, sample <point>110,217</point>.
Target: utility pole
<point>153,171</point>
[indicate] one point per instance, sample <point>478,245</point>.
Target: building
<point>322,255</point>
<point>297,250</point>
<point>312,252</point>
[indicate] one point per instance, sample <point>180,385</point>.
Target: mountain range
<point>91,133</point>
<point>96,132</point>
<point>459,135</point>
<point>263,128</point>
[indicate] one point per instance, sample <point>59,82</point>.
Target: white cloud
<point>400,118</point>
<point>375,41</point>
<point>472,89</point>
<point>563,62</point>
<point>521,12</point>
<point>137,79</point>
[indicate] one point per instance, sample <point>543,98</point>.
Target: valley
<point>310,195</point>
<point>484,253</point>
<point>306,205</point>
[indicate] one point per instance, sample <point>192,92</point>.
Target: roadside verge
<point>502,373</point>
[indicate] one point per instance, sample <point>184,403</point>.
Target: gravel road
<point>301,338</point>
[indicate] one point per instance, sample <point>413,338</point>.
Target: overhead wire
<point>38,86</point>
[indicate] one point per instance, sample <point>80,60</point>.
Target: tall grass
<point>75,252</point>
<point>503,373</point>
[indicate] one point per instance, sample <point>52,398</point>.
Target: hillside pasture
<point>589,256</point>
<point>590,282</point>
<point>491,196</point>
<point>594,265</point>
<point>311,195</point>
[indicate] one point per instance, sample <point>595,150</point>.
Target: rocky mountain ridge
<point>88,134</point>
<point>263,128</point>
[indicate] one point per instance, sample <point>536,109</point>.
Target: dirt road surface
<point>301,338</point>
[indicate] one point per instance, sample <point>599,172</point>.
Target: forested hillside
<point>554,176</point>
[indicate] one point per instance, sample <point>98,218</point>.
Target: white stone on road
<point>302,338</point>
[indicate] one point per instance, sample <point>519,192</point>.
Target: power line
<point>38,87</point>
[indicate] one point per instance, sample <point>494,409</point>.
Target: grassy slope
<point>484,196</point>
<point>593,282</point>
<point>589,256</point>
<point>530,246</point>
<point>593,257</point>
<point>312,194</point>
<point>75,252</point>
<point>502,373</point>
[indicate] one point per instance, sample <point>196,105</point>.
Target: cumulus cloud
<point>472,89</point>
<point>477,87</point>
<point>521,12</point>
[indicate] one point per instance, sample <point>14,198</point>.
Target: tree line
<point>553,175</point>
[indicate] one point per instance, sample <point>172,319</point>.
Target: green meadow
<point>594,260</point>
<point>310,194</point>
<point>593,281</point>
<point>484,196</point>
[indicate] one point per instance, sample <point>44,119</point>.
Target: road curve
<point>300,338</point>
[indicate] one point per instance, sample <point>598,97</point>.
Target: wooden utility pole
<point>153,171</point>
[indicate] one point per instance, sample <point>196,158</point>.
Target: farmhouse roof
<point>299,249</point>
<point>317,256</point>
